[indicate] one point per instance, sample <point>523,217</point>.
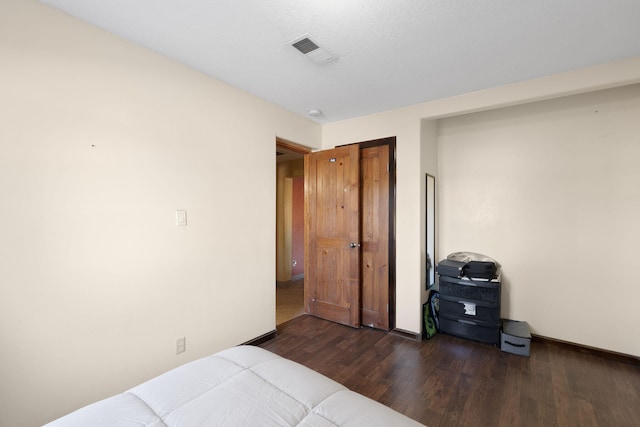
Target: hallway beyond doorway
<point>289,300</point>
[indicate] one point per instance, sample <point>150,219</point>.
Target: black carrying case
<point>450,268</point>
<point>480,270</point>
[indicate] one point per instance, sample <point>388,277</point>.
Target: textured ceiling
<point>392,53</point>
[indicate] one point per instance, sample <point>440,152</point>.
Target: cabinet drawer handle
<point>468,322</point>
<point>514,344</point>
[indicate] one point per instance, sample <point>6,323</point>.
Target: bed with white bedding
<point>240,386</point>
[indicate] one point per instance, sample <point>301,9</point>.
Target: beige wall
<point>429,165</point>
<point>416,129</point>
<point>101,141</point>
<point>552,191</point>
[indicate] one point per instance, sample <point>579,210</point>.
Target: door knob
<point>354,245</point>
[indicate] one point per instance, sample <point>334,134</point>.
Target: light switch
<point>181,217</point>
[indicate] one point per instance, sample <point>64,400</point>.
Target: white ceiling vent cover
<point>312,50</point>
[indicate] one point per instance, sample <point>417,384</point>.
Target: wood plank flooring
<point>448,381</point>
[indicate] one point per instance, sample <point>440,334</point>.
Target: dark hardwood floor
<point>448,381</point>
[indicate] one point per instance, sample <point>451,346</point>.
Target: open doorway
<point>350,234</point>
<point>289,230</point>
<point>375,225</point>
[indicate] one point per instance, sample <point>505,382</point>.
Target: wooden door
<point>332,234</point>
<point>374,177</point>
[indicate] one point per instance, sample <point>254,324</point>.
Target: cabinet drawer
<point>475,330</point>
<point>470,309</point>
<point>469,291</point>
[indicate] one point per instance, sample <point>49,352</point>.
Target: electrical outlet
<point>181,345</point>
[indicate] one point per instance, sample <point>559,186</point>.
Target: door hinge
<point>387,308</point>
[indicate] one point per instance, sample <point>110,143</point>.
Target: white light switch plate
<point>181,217</point>
<point>181,345</point>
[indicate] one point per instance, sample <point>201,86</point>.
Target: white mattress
<point>241,386</point>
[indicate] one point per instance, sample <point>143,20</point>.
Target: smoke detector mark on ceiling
<point>312,50</point>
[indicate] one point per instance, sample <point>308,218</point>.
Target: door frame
<point>292,146</point>
<point>391,142</point>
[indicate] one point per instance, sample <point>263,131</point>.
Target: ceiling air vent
<point>312,50</point>
<point>305,45</point>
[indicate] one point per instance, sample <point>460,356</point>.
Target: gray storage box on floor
<point>515,338</point>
